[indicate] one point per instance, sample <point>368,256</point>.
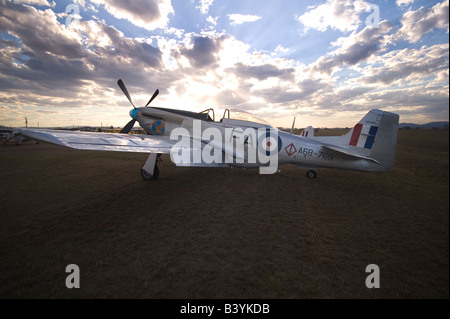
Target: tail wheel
<point>149,177</point>
<point>311,174</point>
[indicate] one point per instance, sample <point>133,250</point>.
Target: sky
<point>325,62</point>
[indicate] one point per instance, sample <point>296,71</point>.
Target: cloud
<point>401,3</point>
<point>50,60</point>
<point>231,97</point>
<point>41,3</point>
<point>204,6</point>
<point>147,14</point>
<point>262,72</point>
<point>348,94</point>
<point>405,66</point>
<point>39,30</point>
<point>212,20</point>
<point>117,45</point>
<point>417,23</point>
<point>432,101</point>
<point>242,18</point>
<point>354,49</point>
<point>203,52</point>
<point>44,41</point>
<point>45,66</point>
<point>301,94</point>
<point>281,49</point>
<point>340,15</point>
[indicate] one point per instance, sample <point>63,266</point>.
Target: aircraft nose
<point>133,114</point>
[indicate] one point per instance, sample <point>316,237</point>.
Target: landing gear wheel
<point>311,174</point>
<point>149,177</point>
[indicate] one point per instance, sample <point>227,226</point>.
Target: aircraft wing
<point>102,141</point>
<point>349,153</point>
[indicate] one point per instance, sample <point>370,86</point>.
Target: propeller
<point>127,128</point>
<point>153,97</point>
<point>125,91</point>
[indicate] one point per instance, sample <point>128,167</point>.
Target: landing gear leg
<point>311,174</point>
<point>150,171</point>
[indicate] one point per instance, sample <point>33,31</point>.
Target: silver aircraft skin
<point>369,146</point>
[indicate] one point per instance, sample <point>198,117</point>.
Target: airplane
<point>13,136</point>
<point>238,139</point>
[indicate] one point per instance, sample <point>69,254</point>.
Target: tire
<point>311,174</point>
<point>149,177</point>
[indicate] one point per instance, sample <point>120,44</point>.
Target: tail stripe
<point>363,136</point>
<point>371,137</point>
<point>356,133</point>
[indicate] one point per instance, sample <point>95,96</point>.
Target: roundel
<point>269,143</point>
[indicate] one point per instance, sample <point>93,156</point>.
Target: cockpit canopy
<point>235,117</point>
<point>245,116</point>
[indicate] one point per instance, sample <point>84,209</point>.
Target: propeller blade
<point>124,90</point>
<point>128,127</point>
<point>153,97</point>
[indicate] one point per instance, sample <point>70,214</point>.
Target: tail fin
<point>375,136</point>
<point>308,132</point>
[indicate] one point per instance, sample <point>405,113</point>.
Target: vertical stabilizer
<point>375,136</point>
<point>308,132</point>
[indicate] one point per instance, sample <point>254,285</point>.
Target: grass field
<point>223,233</point>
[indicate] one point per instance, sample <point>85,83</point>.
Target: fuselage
<point>241,138</point>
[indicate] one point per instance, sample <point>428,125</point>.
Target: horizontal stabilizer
<point>349,153</point>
